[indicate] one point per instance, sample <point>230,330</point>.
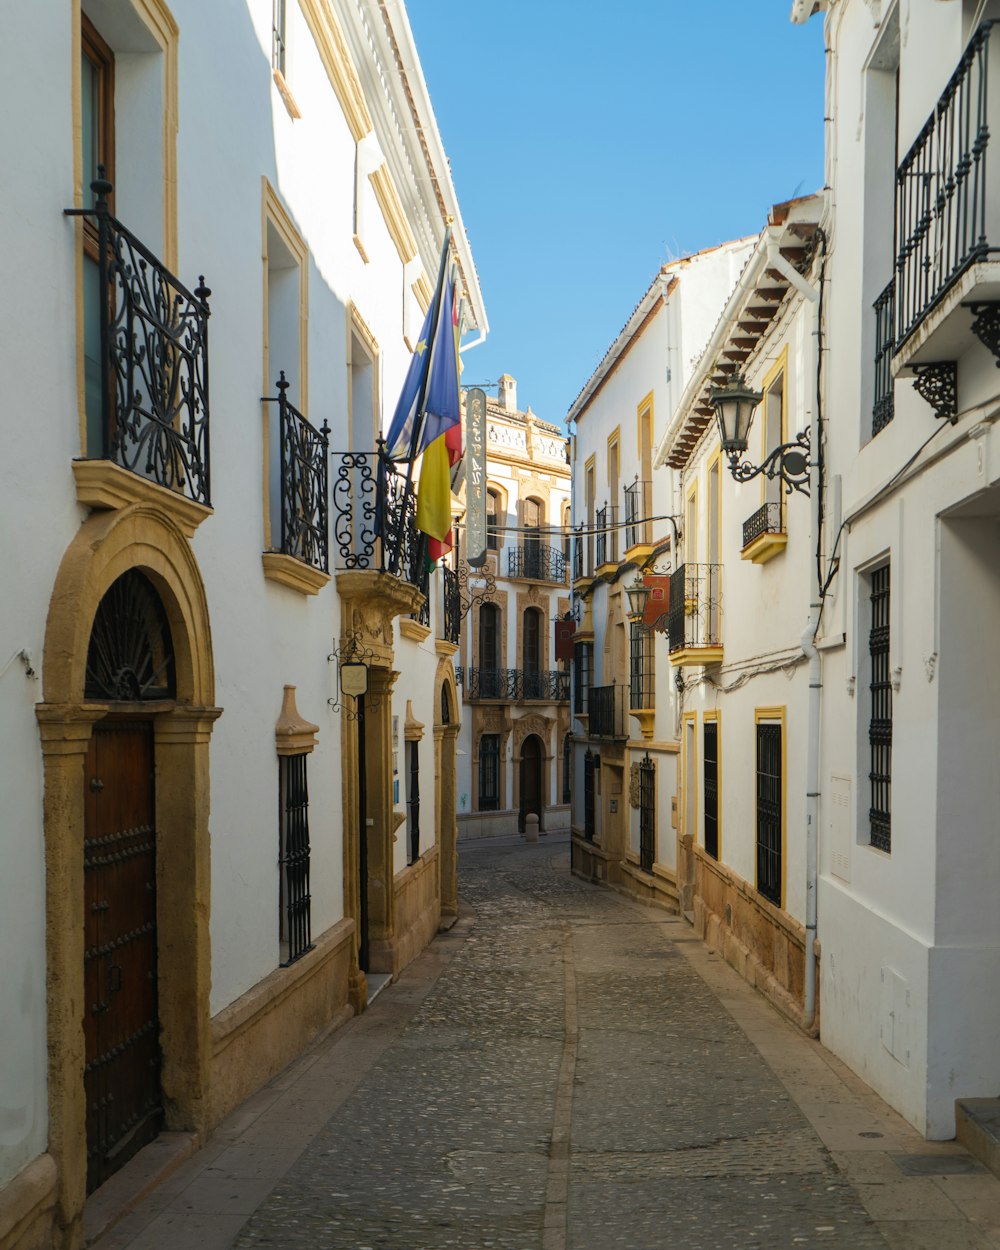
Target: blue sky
<point>590,143</point>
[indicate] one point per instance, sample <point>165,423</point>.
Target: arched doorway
<point>445,748</point>
<point>532,763</point>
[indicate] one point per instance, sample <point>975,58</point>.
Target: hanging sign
<point>654,615</point>
<point>565,632</point>
<point>475,477</point>
<point>354,678</point>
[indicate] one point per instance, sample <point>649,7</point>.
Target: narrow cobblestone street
<point>566,1069</point>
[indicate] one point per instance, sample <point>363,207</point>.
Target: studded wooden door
<point>121,1025</point>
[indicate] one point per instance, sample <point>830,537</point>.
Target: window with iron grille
<point>295,902</point>
<point>532,647</point>
<point>647,814</point>
<point>492,509</point>
<point>642,669</point>
<point>489,773</point>
<point>590,764</point>
<point>278,37</point>
<point>880,713</point>
<point>489,637</point>
<point>567,789</point>
<point>583,664</point>
<point>769,815</point>
<point>711,759</point>
<point>413,802</point>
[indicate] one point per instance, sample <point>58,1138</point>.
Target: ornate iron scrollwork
<point>467,595</point>
<point>789,462</point>
<point>937,383</point>
<point>130,657</point>
<point>353,651</point>
<point>304,477</point>
<point>986,325</point>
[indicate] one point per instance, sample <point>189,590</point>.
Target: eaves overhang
<point>786,244</point>
<point>382,44</point>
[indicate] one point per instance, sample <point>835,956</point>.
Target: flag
<point>438,548</point>
<point>442,413</point>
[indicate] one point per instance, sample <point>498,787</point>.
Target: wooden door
<point>531,778</point>
<point>121,1024</point>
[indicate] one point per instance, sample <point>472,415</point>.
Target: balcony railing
<point>542,563</point>
<point>517,683</point>
<point>607,535</point>
<point>945,208</point>
<point>694,618</point>
<point>374,516</point>
<point>451,605</point>
<point>766,520</point>
<point>607,712</point>
<point>154,361</point>
<point>305,531</point>
<point>638,510</point>
<point>577,558</point>
<point>642,673</point>
<point>885,320</point>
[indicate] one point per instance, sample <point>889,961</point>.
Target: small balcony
<point>638,525</point>
<point>608,714</point>
<point>451,606</point>
<point>606,525</point>
<point>948,228</point>
<point>147,385</point>
<point>537,562</point>
<point>510,685</point>
<point>883,400</point>
<point>694,618</point>
<point>642,677</point>
<point>764,534</point>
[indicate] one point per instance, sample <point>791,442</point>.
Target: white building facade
<point>215,844</point>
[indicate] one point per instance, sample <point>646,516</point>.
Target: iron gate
<point>647,814</point>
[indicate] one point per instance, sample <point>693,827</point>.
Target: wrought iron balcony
<point>374,516</point>
<point>510,684</point>
<point>642,673</point>
<point>694,618</point>
<point>764,533</point>
<point>608,718</point>
<point>538,562</point>
<point>885,318</point>
<point>451,597</point>
<point>305,532</point>
<point>947,206</point>
<point>605,524</point>
<point>638,510</point>
<point>153,415</point>
<point>577,558</point>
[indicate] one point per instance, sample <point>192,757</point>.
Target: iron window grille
<point>710,755</point>
<point>694,618</point>
<point>880,717</point>
<point>607,535</point>
<point>577,558</point>
<point>590,765</point>
<point>278,37</point>
<point>304,485</point>
<point>943,209</point>
<point>413,802</point>
<point>647,814</point>
<point>885,340</point>
<point>567,770</point>
<point>452,605</point>
<point>373,516</point>
<point>295,902</point>
<point>642,667</point>
<point>607,712</point>
<point>583,668</point>
<point>489,773</point>
<point>766,520</point>
<point>769,814</point>
<point>638,510</point>
<point>537,562</point>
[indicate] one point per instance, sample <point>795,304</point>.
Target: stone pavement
<point>566,1070</point>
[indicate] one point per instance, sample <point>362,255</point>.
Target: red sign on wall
<point>565,631</point>
<point>654,615</point>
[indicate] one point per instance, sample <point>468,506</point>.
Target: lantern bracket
<point>789,462</point>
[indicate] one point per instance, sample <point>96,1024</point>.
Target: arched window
<point>489,636</point>
<point>532,638</point>
<point>130,656</point>
<point>492,514</point>
<point>534,510</point>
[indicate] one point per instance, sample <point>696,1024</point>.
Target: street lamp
<point>735,404</point>
<point>638,592</point>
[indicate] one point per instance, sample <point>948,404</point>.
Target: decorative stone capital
<point>413,729</point>
<point>292,734</point>
<point>65,728</point>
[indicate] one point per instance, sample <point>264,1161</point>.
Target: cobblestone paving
<point>681,1136</point>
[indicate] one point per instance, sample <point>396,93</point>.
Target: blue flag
<point>442,404</point>
<point>400,437</point>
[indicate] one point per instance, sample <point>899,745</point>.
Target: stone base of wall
<point>416,915</point>
<point>486,824</point>
<point>27,1207</point>
<point>268,1026</point>
<point>763,943</point>
<point>590,861</point>
<point>658,888</point>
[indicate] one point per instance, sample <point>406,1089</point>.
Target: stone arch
<point>446,786</point>
<point>108,545</point>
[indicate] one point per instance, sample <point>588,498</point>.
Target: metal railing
<point>154,360</point>
<point>305,531</point>
<point>638,510</point>
<point>451,605</point>
<point>535,560</point>
<point>517,683</point>
<point>942,195</point>
<point>642,671</point>
<point>766,520</point>
<point>885,343</point>
<point>694,618</point>
<point>607,712</point>
<point>374,516</point>
<point>577,557</point>
<point>647,814</point>
<point>605,524</point>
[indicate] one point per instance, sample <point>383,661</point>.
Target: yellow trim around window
<point>393,213</point>
<point>774,715</point>
<point>358,328</point>
<point>692,719</point>
<point>708,718</point>
<point>614,440</point>
<point>714,465</point>
<point>644,408</point>
<point>778,370</point>
<point>691,524</point>
<point>336,58</point>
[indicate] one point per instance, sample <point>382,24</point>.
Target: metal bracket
<point>986,325</point>
<point>937,383</point>
<point>352,650</point>
<point>789,462</point>
<point>467,596</point>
